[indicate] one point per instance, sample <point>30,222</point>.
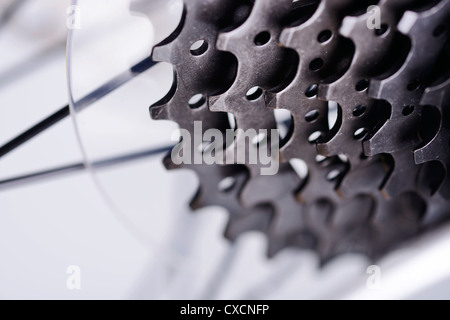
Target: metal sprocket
<point>365,190</point>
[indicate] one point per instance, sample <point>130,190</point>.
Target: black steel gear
<point>365,190</point>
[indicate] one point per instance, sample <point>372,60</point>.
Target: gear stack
<point>377,174</point>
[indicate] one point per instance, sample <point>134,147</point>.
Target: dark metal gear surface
<point>377,175</point>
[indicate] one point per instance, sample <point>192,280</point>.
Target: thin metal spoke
<point>34,131</point>
<point>219,277</point>
<point>42,175</point>
<point>84,102</point>
<point>131,157</point>
<point>114,83</point>
<point>9,12</point>
<point>21,180</point>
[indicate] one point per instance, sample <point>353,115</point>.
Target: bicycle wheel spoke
<point>7,14</point>
<point>105,163</point>
<point>84,102</point>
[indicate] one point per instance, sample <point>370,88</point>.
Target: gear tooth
<point>325,260</point>
<point>169,164</point>
<point>348,25</point>
<point>437,95</point>
<point>162,53</point>
<point>238,226</point>
<point>217,103</point>
<point>419,156</point>
<point>161,109</point>
<point>234,230</point>
<point>137,6</point>
<point>407,22</point>
<point>370,146</point>
<point>426,153</point>
<point>229,232</point>
<point>213,99</point>
<point>198,202</point>
<point>275,247</point>
<point>159,112</point>
<point>325,149</point>
<point>322,149</point>
<point>286,37</point>
<point>141,7</point>
<point>222,41</point>
<point>376,89</point>
<point>271,100</point>
<point>325,92</point>
<point>429,97</point>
